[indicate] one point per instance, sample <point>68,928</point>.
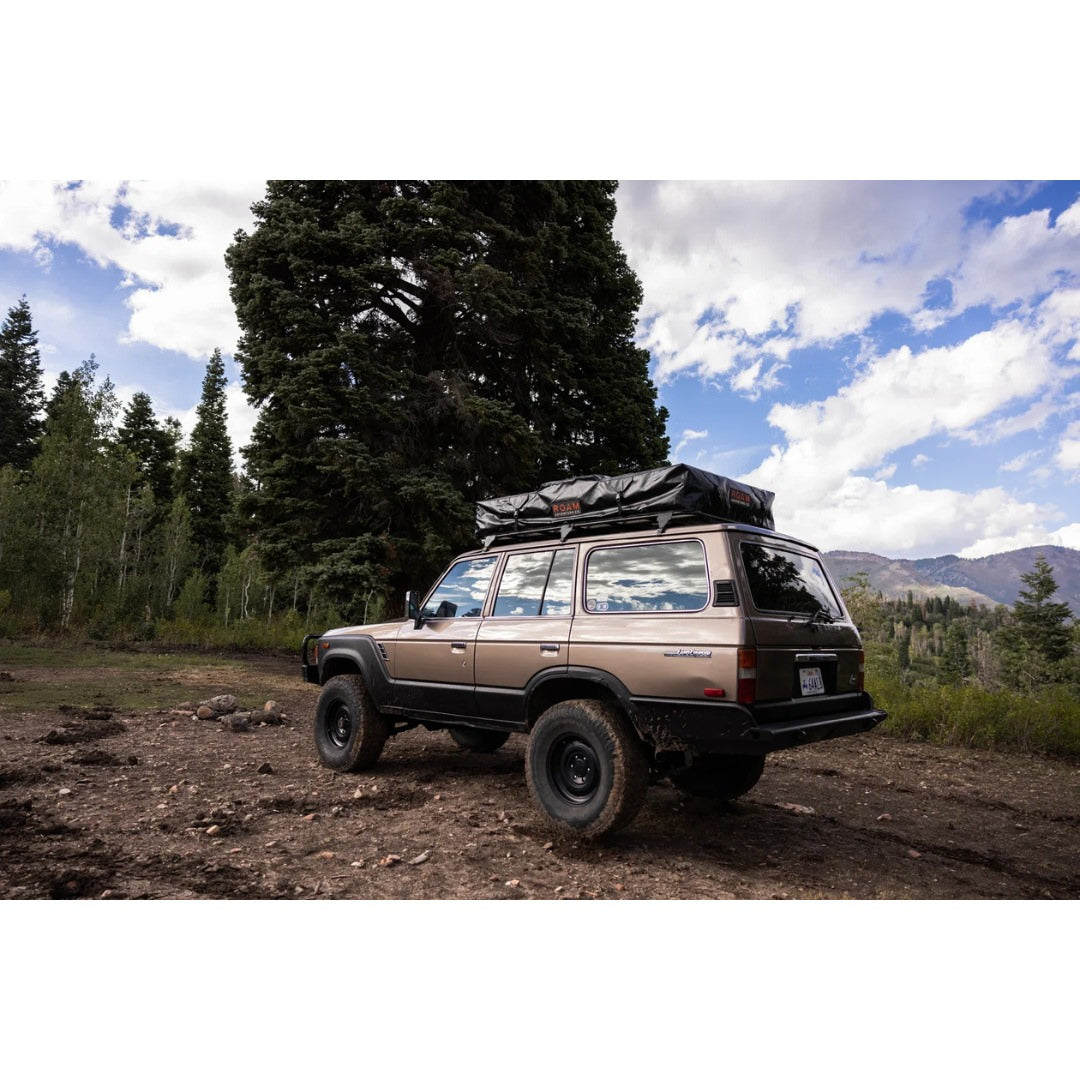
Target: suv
<point>652,624</point>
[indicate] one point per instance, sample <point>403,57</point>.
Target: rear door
<point>806,646</point>
<point>528,630</point>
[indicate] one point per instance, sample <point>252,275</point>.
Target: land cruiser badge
<point>694,654</point>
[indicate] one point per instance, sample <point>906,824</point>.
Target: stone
<point>213,830</point>
<point>64,791</point>
<point>222,704</point>
<point>265,769</point>
<point>390,860</point>
<point>237,722</point>
<point>421,858</point>
<point>204,712</point>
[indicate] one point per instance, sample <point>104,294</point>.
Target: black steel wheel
<point>719,776</point>
<point>586,768</point>
<point>478,740</point>
<point>350,732</point>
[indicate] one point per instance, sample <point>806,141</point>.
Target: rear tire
<point>719,776</point>
<point>350,732</point>
<point>586,768</point>
<point>478,740</point>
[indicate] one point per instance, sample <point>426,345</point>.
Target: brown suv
<point>630,626</point>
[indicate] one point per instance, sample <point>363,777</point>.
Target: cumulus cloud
<point>688,436</point>
<point>167,237</point>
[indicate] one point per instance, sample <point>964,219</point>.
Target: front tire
<point>350,732</point>
<point>719,776</point>
<point>586,768</point>
<point>478,740</point>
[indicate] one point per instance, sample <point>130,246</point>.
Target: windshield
<point>786,581</point>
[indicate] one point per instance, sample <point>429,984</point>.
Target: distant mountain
<point>993,579</point>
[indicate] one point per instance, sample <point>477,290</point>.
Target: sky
<point>898,362</point>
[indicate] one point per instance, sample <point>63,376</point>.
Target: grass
<point>47,676</point>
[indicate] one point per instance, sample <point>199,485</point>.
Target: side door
<point>527,631</point>
<point>434,665</point>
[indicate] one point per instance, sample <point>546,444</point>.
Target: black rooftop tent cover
<point>665,494</point>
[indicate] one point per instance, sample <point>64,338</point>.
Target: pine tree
<point>206,470</point>
<point>418,345</point>
<point>153,445</point>
<point>21,393</point>
<point>1041,621</point>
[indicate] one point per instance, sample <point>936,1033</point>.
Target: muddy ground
<point>147,802</point>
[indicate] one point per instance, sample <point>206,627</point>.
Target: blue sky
<point>899,362</point>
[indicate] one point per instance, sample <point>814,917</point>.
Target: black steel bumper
<point>727,728</point>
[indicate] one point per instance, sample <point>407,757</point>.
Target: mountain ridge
<point>988,580</point>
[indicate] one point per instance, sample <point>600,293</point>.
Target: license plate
<point>810,681</point>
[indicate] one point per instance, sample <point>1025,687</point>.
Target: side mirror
<point>412,609</point>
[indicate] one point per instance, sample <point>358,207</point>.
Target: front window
<point>460,595</point>
<point>787,581</point>
<point>647,577</point>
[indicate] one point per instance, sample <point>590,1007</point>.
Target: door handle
<point>457,646</point>
<point>548,647</point>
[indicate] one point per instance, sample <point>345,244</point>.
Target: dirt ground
<point>150,803</point>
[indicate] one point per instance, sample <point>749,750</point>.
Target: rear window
<point>787,581</point>
<point>647,577</point>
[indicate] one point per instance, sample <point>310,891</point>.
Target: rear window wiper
<point>819,616</point>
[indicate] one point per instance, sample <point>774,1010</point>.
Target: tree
<point>415,346</point>
<point>21,393</point>
<point>153,445</point>
<point>206,470</point>
<point>1041,621</point>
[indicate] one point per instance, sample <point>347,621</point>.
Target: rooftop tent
<point>670,493</point>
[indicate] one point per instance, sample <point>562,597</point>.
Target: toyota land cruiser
<point>653,623</point>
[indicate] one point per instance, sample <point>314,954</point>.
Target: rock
<point>884,817</point>
<point>6,676</point>
<point>326,855</point>
<point>222,704</point>
<point>213,830</point>
<point>548,845</point>
<point>390,860</point>
<point>795,808</point>
<point>265,769</point>
<point>64,791</point>
<point>913,854</point>
<point>513,883</point>
<point>272,713</point>
<point>237,722</point>
<point>204,712</point>
<point>421,858</point>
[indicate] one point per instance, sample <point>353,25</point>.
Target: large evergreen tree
<point>206,470</point>
<point>152,444</point>
<point>21,393</point>
<point>1041,621</point>
<point>418,345</point>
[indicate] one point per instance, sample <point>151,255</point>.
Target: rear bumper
<point>726,728</point>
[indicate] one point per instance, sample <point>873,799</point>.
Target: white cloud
<point>688,436</point>
<point>169,239</point>
<point>1020,462</point>
<point>753,268</point>
<point>1067,457</point>
<point>919,460</point>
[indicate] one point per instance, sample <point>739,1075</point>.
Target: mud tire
<point>478,740</point>
<point>586,768</point>
<point>719,776</point>
<point>350,732</point>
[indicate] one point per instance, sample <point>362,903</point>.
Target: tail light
<point>746,692</point>
<point>860,677</point>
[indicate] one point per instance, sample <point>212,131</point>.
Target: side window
<point>536,583</point>
<point>669,576</point>
<point>559,595</point>
<point>522,587</point>
<point>460,595</point>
